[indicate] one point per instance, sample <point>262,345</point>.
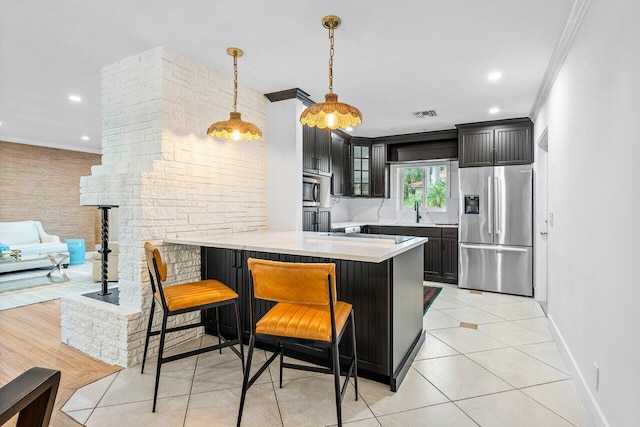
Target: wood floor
<point>30,336</point>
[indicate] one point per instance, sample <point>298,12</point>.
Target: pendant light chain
<point>331,58</point>
<point>235,81</point>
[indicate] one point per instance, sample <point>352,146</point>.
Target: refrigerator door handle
<point>498,205</point>
<point>493,248</point>
<point>490,205</point>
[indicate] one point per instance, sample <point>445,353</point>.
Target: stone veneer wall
<point>170,180</point>
<point>41,184</point>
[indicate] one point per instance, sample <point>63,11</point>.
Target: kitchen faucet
<point>417,208</point>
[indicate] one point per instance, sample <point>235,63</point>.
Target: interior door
<point>476,223</point>
<point>513,207</point>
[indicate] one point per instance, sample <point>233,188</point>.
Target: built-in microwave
<point>310,191</point>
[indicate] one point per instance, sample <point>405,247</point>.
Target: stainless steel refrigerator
<point>496,229</point>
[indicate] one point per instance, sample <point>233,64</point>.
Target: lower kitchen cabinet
<point>440,252</point>
<point>449,262</point>
<point>316,219</point>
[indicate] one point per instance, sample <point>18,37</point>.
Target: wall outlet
<point>596,375</point>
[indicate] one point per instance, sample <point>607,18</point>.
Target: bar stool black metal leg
<point>146,341</point>
<point>355,353</point>
<point>281,360</point>
<point>218,327</point>
<point>245,381</point>
<point>336,378</point>
<point>239,328</point>
<point>160,351</point>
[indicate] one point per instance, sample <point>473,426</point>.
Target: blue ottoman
<point>76,251</point>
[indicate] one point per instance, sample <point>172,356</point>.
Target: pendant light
<point>234,128</point>
<point>331,113</point>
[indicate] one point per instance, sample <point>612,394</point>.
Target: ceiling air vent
<point>423,114</point>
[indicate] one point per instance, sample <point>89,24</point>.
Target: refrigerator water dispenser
<point>472,205</point>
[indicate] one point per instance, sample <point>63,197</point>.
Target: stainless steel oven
<point>310,191</point>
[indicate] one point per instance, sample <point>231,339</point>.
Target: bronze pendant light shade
<point>234,128</point>
<point>331,113</point>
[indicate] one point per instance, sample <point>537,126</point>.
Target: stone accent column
<point>169,179</point>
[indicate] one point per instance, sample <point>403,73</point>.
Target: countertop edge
<point>339,252</point>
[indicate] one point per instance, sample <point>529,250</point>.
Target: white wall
<point>591,114</point>
<point>284,165</point>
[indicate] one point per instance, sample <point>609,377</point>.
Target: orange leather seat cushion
<point>187,295</point>
<point>303,321</point>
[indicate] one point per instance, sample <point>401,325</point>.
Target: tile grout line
<point>193,377</point>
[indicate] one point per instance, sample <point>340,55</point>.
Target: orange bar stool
<point>185,298</point>
<point>307,312</point>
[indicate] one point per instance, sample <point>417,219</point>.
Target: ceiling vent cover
<point>423,114</point>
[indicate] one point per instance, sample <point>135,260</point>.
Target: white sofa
<point>31,239</point>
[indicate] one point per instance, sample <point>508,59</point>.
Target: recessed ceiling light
<point>494,110</point>
<point>84,137</point>
<point>494,76</point>
<point>0,123</point>
<point>75,98</point>
<point>349,128</point>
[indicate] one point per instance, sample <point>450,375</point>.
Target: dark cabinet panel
<point>340,166</point>
<point>323,150</point>
<point>449,266</point>
<point>476,147</point>
<point>513,146</point>
<point>316,219</point>
<point>433,258</point>
<point>224,265</point>
<point>309,149</point>
<point>316,150</point>
<point>323,220</point>
<point>309,219</point>
<point>503,142</point>
<point>379,171</point>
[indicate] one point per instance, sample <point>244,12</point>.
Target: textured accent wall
<point>169,179</point>
<point>43,184</point>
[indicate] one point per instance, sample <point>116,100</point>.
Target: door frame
<point>541,210</point>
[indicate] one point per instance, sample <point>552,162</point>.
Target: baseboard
<point>594,412</point>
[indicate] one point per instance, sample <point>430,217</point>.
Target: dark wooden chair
<point>185,298</point>
<point>307,312</point>
<point>32,395</point>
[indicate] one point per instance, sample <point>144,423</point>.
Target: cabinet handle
<point>234,260</point>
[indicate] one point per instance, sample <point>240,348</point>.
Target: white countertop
<point>305,243</point>
<point>335,225</point>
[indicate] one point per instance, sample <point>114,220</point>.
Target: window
<point>425,184</point>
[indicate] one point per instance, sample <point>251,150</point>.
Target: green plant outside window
<point>425,184</point>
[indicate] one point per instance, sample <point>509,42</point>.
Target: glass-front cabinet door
<point>361,158</point>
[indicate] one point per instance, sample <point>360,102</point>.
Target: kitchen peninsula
<point>380,275</point>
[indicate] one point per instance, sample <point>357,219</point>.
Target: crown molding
<point>560,53</point>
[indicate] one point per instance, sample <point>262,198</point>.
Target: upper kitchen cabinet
<point>361,167</point>
<point>497,143</point>
<point>316,150</point>
<point>340,165</point>
<point>379,171</point>
<point>370,172</point>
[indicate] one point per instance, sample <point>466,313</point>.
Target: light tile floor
<point>506,373</point>
<point>40,289</point>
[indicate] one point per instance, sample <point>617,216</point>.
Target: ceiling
<point>391,57</point>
